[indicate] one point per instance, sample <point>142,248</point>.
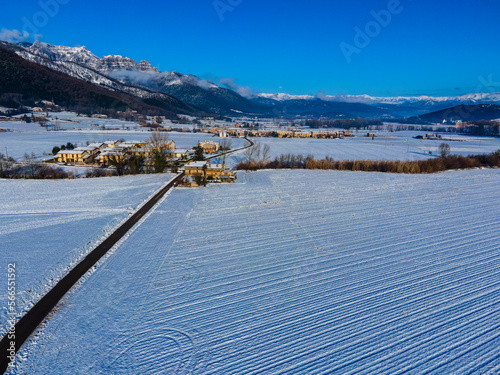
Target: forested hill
<point>22,81</point>
<point>465,113</point>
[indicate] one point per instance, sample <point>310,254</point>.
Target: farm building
<point>208,171</point>
<point>209,147</point>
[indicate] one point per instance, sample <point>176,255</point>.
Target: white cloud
<point>13,36</point>
<point>244,91</point>
<point>204,84</point>
<point>143,78</point>
<point>321,96</point>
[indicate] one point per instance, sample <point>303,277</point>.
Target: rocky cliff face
<point>82,56</point>
<point>116,63</point>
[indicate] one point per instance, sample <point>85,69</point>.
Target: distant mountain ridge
<point>464,113</point>
<point>400,100</point>
<point>190,89</point>
<point>189,93</point>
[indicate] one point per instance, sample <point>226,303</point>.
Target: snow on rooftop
<point>76,151</point>
<point>196,164</point>
<point>214,166</point>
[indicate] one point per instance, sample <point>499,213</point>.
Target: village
<point>153,155</point>
<point>278,132</point>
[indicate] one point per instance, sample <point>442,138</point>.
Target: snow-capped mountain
<point>113,71</point>
<point>28,78</point>
<point>80,63</point>
<point>82,56</point>
<point>115,62</point>
<point>397,100</point>
<point>79,55</point>
<point>400,106</point>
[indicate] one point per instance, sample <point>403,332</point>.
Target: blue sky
<point>299,47</point>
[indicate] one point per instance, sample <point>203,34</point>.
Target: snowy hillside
<point>96,72</point>
<point>82,56</point>
<point>294,273</point>
<point>115,66</point>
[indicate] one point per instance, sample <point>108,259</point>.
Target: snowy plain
<point>386,146</point>
<point>294,272</point>
<point>47,226</point>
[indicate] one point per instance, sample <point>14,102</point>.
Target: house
<point>142,152</point>
<point>180,153</point>
<point>80,155</point>
<point>209,171</point>
<point>111,143</point>
<point>115,153</point>
<point>285,134</point>
<point>302,134</point>
<point>209,147</point>
<point>76,156</point>
<point>195,169</point>
<point>104,152</point>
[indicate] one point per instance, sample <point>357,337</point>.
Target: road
<point>35,316</point>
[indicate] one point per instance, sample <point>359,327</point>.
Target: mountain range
<point>188,94</point>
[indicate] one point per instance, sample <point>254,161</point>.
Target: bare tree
<point>257,151</point>
<point>266,152</point>
<point>159,154</point>
<point>31,164</point>
<point>42,121</point>
<point>225,144</point>
<point>119,161</point>
<point>444,149</point>
<point>249,155</point>
<point>6,164</point>
<point>158,140</point>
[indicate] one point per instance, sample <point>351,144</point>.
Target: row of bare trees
<point>256,156</point>
<point>445,162</point>
<point>29,168</point>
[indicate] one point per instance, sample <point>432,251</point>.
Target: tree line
<point>438,164</point>
<point>29,167</point>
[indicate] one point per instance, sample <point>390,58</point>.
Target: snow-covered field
<point>294,272</point>
<point>46,226</point>
<point>393,146</point>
